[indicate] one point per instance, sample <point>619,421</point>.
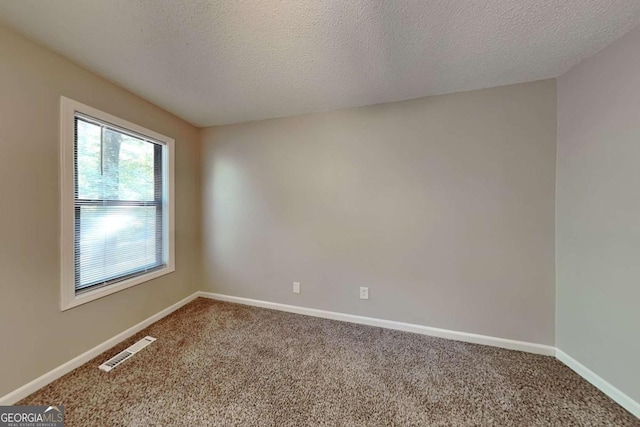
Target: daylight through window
<point>117,207</point>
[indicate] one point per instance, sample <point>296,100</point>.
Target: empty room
<point>319,213</point>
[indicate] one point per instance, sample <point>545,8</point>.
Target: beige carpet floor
<point>224,364</point>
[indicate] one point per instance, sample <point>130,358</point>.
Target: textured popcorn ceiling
<point>215,62</point>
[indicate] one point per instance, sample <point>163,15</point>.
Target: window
<point>117,207</point>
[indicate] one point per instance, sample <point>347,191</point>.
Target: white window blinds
<point>118,202</point>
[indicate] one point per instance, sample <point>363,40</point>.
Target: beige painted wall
<point>442,206</point>
<point>36,337</point>
<point>598,214</point>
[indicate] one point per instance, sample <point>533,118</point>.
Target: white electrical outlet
<point>364,293</point>
<point>296,287</point>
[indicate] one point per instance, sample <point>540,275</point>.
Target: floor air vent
<point>126,354</point>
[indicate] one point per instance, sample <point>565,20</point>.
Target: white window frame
<point>68,296</point>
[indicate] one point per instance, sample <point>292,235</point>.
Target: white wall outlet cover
<point>296,287</point>
<point>364,293</point>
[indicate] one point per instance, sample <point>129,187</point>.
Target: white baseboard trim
<point>601,384</point>
<point>38,383</point>
<point>546,350</point>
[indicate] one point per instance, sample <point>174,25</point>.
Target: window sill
<point>73,300</point>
